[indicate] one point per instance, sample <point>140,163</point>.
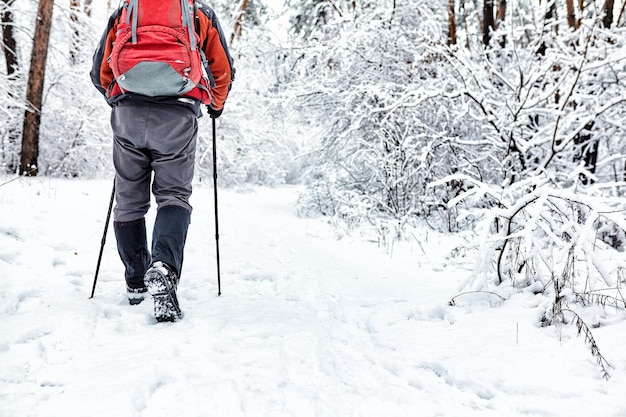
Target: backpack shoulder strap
<point>186,7</point>
<point>133,14</point>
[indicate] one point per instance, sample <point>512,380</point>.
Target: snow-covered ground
<point>307,325</point>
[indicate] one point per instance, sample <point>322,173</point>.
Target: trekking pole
<point>104,238</point>
<point>217,233</point>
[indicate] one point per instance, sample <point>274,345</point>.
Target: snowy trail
<point>307,325</point>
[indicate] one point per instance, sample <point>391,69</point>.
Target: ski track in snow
<point>307,325</point>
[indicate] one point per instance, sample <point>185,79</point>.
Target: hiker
<point>157,64</point>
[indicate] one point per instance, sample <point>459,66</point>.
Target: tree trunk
<point>87,8</point>
<point>571,14</point>
<point>550,19</point>
<point>75,19</point>
<point>34,93</point>
<point>500,13</point>
<point>607,20</point>
<point>9,46</point>
<point>451,23</point>
<point>237,27</point>
<point>500,16</point>
<point>488,21</point>
<point>552,16</point>
<point>587,151</point>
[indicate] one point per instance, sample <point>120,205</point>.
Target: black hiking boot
<point>136,295</point>
<point>161,282</point>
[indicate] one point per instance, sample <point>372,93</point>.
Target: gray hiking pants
<point>152,137</point>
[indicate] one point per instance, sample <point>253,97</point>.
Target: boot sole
<point>166,307</point>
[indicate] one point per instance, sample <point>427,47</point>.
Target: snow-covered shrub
<point>560,242</point>
<point>400,110</point>
<point>372,163</point>
<point>551,115</point>
<point>533,234</point>
<point>539,116</point>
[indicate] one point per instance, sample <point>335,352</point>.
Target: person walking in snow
<point>156,95</point>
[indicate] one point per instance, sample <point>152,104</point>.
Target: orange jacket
<point>212,41</point>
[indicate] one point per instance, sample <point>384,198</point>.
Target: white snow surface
<point>307,324</point>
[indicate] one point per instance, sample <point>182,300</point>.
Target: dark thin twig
<point>595,350</point>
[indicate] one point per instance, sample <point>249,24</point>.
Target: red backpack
<point>156,51</point>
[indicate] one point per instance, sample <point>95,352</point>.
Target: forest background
<point>502,120</point>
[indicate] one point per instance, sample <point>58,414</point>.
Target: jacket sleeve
<point>221,70</point>
<point>101,73</point>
